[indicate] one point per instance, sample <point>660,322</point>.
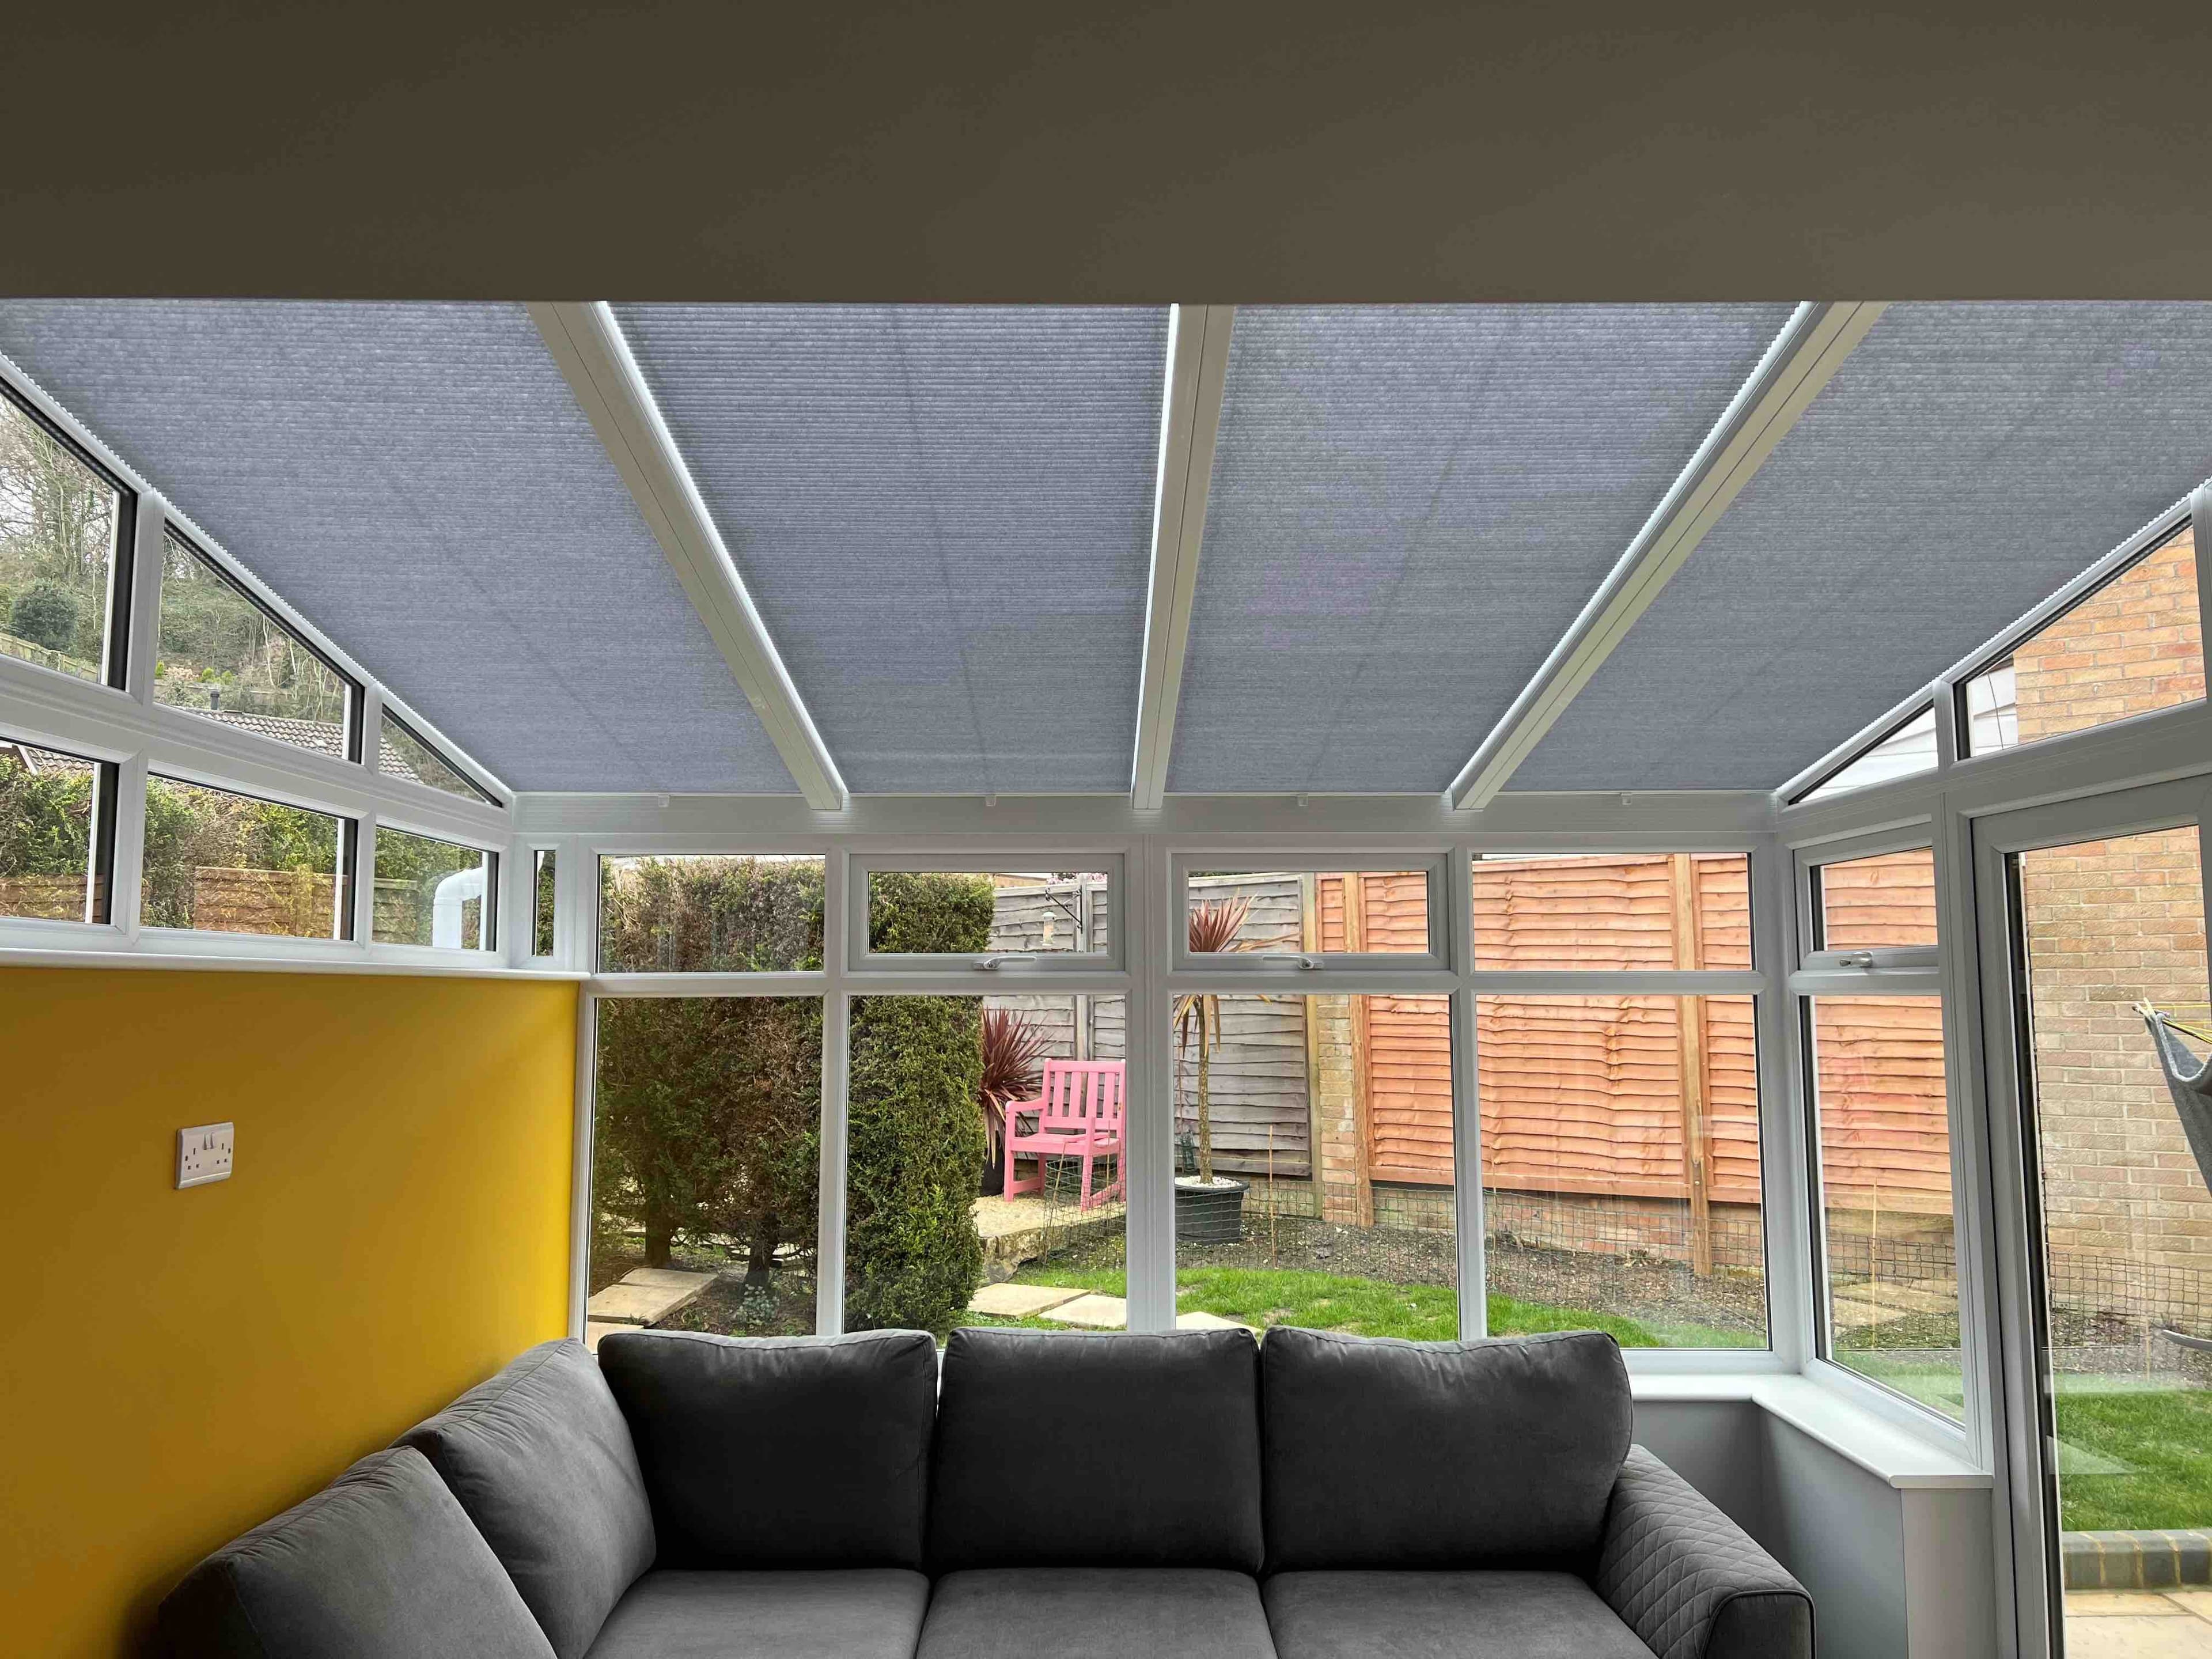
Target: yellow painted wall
<point>176,1366</point>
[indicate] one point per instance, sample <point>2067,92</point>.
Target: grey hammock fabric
<point>2190,1079</point>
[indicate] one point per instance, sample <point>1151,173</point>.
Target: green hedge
<point>709,1108</point>
<point>916,1146</point>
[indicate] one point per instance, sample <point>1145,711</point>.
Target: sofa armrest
<point>1687,1580</point>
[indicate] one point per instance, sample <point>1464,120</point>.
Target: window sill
<point>1882,1449</point>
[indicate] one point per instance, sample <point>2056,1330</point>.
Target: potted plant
<point>1209,1208</point>
<point>1013,1061</point>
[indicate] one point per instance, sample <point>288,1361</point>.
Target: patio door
<point>2097,1021</point>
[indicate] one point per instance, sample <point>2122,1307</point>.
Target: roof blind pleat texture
<point>1964,463</point>
<point>943,515</point>
<point>1409,507</point>
<point>417,480</point>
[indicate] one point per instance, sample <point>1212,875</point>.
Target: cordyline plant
<point>1214,925</point>
<point>1014,1064</point>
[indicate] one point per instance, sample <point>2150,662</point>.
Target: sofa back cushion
<point>1382,1453</point>
<point>1097,1449</point>
<point>542,1461</point>
<point>801,1451</point>
<point>381,1564</point>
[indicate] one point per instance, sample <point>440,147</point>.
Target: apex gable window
<point>65,529</point>
<point>2132,645</point>
<point>227,657</point>
<point>403,752</point>
<point>1904,750</point>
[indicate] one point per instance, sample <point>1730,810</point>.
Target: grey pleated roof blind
<point>1409,506</point>
<point>944,516</point>
<point>418,480</point>
<point>1965,462</point>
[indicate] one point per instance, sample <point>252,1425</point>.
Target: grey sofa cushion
<point>1395,1455</point>
<point>1443,1615</point>
<point>871,1612</point>
<point>802,1451</point>
<point>381,1564</point>
<point>1688,1580</point>
<point>1097,1612</point>
<point>1102,1449</point>
<point>542,1461</point>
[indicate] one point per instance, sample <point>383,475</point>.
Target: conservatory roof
<point>910,549</point>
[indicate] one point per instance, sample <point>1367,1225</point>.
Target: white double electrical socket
<point>203,1154</point>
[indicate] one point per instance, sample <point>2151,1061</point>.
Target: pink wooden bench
<point>1077,1115</point>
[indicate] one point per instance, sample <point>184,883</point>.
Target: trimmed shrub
<point>916,1146</point>
<point>45,613</point>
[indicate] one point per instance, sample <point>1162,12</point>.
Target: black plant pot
<point>994,1178</point>
<point>1209,1215</point>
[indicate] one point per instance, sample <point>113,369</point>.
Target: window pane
<point>1621,1168</point>
<point>2119,1019</point>
<point>222,655</point>
<point>1910,749</point>
<point>433,892</point>
<point>1593,911</point>
<point>60,525</point>
<point>49,811</point>
<point>2135,644</point>
<point>1885,902</point>
<point>1056,1255</point>
<point>706,1157</point>
<point>1314,1179</point>
<point>541,903</point>
<point>1299,910</point>
<point>721,915</point>
<point>1036,913</point>
<point>402,755</point>
<point>1891,1258</point>
<point>227,863</point>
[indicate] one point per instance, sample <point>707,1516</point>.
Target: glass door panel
<point>2112,1023</point>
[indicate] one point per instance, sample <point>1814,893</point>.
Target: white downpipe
<point>453,893</point>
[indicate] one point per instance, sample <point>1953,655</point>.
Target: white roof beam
<point>1800,362</point>
<point>588,343</point>
<point>1198,370</point>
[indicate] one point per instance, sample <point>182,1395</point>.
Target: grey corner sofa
<point>1310,1497</point>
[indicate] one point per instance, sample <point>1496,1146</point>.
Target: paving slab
<point>2131,1636</point>
<point>1020,1301</point>
<point>1207,1321</point>
<point>1094,1312</point>
<point>2115,1604</point>
<point>636,1302</point>
<point>595,1329</point>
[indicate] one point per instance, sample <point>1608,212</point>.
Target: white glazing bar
<point>837,1050</point>
<point>1785,1214</point>
<point>1466,1103</point>
<point>1150,1116</point>
<point>579,1179</point>
<point>125,895</point>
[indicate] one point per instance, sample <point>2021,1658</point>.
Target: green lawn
<point>1367,1307</point>
<point>2163,1437</point>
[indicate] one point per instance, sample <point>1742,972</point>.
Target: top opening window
<point>1877,911</point>
<point>64,552</point>
<point>2134,644</point>
<point>1013,914</point>
<point>1610,912</point>
<point>1302,917</point>
<point>403,753</point>
<point>1903,750</point>
<point>226,657</point>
